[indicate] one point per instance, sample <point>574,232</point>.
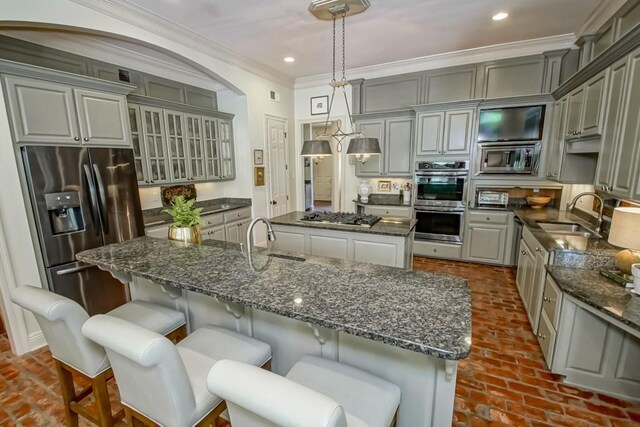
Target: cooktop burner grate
<point>346,218</point>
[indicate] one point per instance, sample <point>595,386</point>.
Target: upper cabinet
<point>391,93</point>
<point>512,77</point>
<point>446,132</point>
<point>395,136</point>
<point>46,112</point>
<point>586,108</point>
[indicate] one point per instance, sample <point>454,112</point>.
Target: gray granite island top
<point>386,226</point>
<point>418,311</point>
<point>590,287</point>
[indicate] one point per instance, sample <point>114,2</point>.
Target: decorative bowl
<point>538,202</point>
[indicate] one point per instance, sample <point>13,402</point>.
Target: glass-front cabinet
<point>176,147</point>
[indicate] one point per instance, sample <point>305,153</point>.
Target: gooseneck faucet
<point>600,214</point>
<point>271,235</point>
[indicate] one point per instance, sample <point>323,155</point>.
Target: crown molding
<point>605,11</point>
<point>450,59</point>
<point>160,26</point>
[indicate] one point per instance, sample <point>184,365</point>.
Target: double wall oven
<point>439,200</point>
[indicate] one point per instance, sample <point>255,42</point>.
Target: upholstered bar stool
<point>61,321</point>
<point>165,384</point>
<point>315,393</point>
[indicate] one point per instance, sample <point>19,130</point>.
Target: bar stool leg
<point>101,395</point>
<point>68,393</point>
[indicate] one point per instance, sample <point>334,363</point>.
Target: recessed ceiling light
<point>500,16</point>
<point>289,59</point>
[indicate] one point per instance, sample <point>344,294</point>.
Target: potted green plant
<point>186,221</point>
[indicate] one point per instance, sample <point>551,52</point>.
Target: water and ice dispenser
<point>64,211</point>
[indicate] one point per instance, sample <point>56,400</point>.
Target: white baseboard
<point>36,341</point>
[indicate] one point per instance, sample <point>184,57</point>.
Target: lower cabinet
<point>531,276</point>
<point>388,211</point>
<point>437,250</point>
<point>215,233</point>
<point>486,238</point>
<point>236,232</point>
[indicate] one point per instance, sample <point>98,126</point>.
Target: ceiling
<point>391,30</point>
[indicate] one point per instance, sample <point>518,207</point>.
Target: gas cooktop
<point>345,218</point>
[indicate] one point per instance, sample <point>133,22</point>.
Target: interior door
<point>117,193</point>
<point>278,174</point>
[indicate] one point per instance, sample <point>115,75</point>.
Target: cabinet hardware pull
<point>75,138</point>
<point>537,249</point>
<point>470,228</point>
<point>542,336</point>
<point>547,299</point>
<point>85,138</point>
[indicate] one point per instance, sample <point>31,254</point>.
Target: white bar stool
<point>315,393</point>
<point>61,320</point>
<point>165,384</point>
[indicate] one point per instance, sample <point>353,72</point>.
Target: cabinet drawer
<point>531,241</point>
<point>237,214</point>
<point>546,338</point>
<point>488,216</point>
<point>212,220</point>
<point>392,211</point>
<point>437,250</point>
<point>551,302</point>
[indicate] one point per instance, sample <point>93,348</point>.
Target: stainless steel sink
<point>566,228</point>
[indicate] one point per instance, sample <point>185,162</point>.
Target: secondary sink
<point>568,228</point>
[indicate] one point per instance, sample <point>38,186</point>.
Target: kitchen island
<point>406,326</point>
<point>387,242</point>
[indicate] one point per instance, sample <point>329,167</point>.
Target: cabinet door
<point>155,144</point>
<point>373,167</point>
<point>429,133</point>
<point>227,163</point>
<point>195,144</point>
<point>537,287</point>
<point>139,153</point>
<point>236,232</point>
<point>555,153</point>
<point>629,137</point>
<point>485,242</point>
<point>457,132</point>
<point>211,155</point>
<point>41,111</point>
<point>177,144</point>
<point>593,109</point>
<point>216,233</point>
<point>399,147</point>
<point>574,113</point>
<point>526,265</point>
<point>103,118</point>
<point>609,140</point>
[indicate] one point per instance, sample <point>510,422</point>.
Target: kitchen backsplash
<point>396,185</point>
<point>151,197</point>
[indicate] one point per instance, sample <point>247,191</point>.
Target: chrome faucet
<point>271,235</point>
<point>572,205</point>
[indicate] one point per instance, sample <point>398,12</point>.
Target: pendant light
<point>359,146</point>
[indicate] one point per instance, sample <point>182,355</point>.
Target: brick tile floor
<point>503,382</point>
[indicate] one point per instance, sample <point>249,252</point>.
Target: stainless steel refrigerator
<point>83,198</point>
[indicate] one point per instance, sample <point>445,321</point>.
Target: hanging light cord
<point>339,134</point>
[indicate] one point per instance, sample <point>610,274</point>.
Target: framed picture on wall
<point>384,186</point>
<point>319,105</point>
<point>258,157</point>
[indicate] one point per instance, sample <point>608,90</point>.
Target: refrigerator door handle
<point>92,197</point>
<point>73,270</point>
<point>102,201</point>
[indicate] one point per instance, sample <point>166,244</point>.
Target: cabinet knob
<point>76,138</point>
<point>537,249</point>
<point>542,336</point>
<point>146,181</point>
<point>470,228</point>
<point>85,138</point>
<point>546,299</point>
<point>488,219</point>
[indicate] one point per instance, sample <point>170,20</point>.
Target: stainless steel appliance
<point>83,198</point>
<point>344,218</point>
<point>439,200</point>
<point>511,124</point>
<point>498,158</point>
<point>491,199</point>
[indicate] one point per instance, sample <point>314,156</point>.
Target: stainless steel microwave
<point>496,158</point>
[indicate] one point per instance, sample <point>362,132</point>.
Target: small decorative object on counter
<point>186,221</point>
<point>364,190</point>
<point>635,270</point>
<point>538,202</point>
<point>406,194</point>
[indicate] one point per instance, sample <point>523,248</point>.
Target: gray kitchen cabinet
<point>388,211</point>
<point>395,136</point>
<point>444,132</point>
<point>137,143</point>
<point>237,232</point>
<point>450,84</point>
<point>609,143</point>
<point>511,77</point>
<point>625,172</point>
<point>486,242</point>
<point>45,112</point>
<point>549,320</point>
<point>524,275</point>
<point>102,118</point>
<point>211,154</point>
<point>177,146</point>
<point>195,147</point>
<point>227,162</point>
<point>556,149</point>
<point>214,233</point>
<point>531,276</point>
<point>155,146</point>
<point>159,232</point>
<point>587,108</point>
<point>391,93</point>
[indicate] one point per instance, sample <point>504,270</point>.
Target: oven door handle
<point>439,209</point>
<point>427,174</point>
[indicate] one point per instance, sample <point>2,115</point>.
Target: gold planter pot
<point>185,234</point>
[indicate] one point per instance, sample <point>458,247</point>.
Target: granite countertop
<point>155,216</point>
<point>422,312</point>
<point>386,226</point>
<point>590,287</point>
<point>592,245</point>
